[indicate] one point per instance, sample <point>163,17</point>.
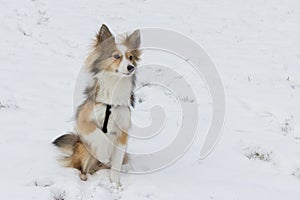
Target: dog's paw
<point>116,187</point>
<point>83,177</point>
<point>110,186</point>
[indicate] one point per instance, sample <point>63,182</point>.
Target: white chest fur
<point>114,89</point>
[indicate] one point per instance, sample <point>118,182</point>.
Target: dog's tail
<point>67,144</point>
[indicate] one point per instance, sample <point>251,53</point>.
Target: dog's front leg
<point>117,158</point>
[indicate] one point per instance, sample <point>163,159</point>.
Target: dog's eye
<point>117,56</point>
<point>130,58</point>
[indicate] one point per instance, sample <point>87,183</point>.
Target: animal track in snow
<point>43,182</point>
<point>8,105</point>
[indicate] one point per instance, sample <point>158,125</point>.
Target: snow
<point>255,46</point>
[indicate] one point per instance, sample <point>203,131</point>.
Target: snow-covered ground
<point>255,46</point>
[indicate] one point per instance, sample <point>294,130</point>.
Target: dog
<point>103,119</point>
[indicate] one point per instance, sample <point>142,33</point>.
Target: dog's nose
<point>130,68</point>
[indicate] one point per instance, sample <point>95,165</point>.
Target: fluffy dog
<point>103,119</point>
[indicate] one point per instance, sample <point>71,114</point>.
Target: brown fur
<point>84,161</point>
<point>85,124</point>
<point>123,138</point>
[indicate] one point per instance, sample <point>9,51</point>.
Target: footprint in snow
<point>43,182</point>
<point>296,173</point>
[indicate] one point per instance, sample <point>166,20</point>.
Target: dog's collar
<point>106,118</point>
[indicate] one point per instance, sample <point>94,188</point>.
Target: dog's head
<point>120,58</point>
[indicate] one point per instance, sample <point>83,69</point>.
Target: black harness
<point>107,113</point>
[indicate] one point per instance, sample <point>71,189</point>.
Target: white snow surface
<point>255,46</point>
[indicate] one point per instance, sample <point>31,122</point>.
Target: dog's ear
<point>103,34</point>
<point>133,41</point>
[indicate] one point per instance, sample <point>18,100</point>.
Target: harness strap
<point>107,113</point>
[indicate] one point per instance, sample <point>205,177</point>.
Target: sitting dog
<point>103,119</point>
